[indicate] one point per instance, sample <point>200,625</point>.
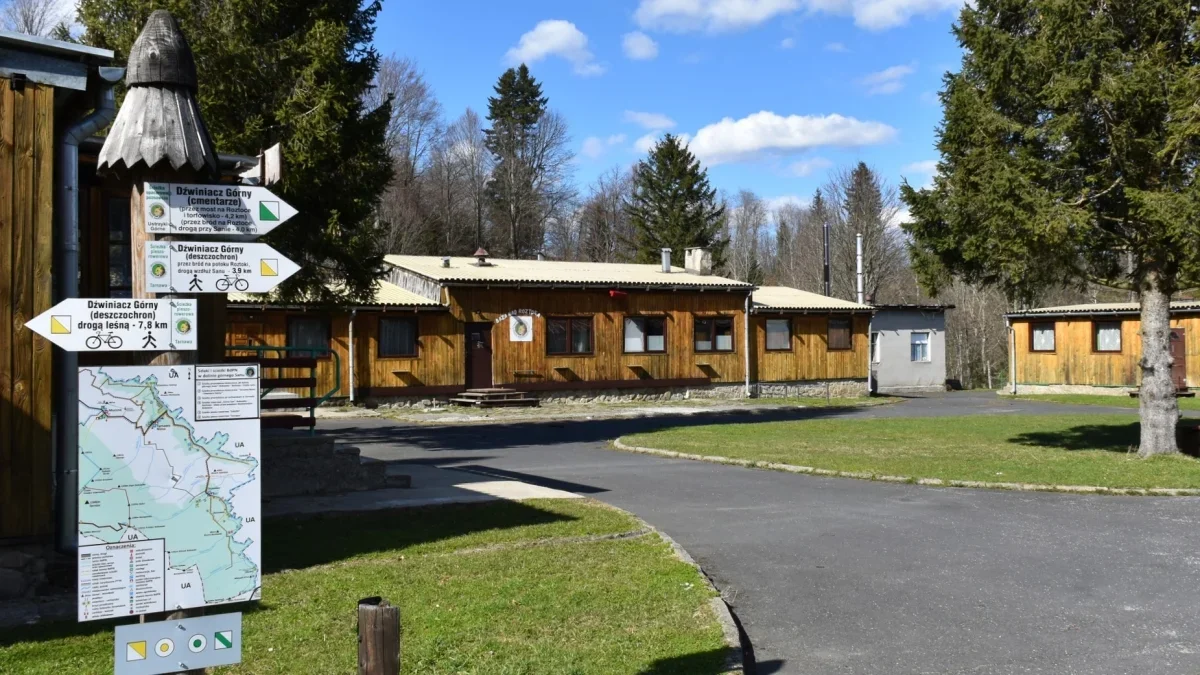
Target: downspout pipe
<point>1012,355</point>
<point>350,367</point>
<point>66,282</point>
<point>746,338</point>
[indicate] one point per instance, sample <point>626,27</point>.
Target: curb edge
<point>928,482</point>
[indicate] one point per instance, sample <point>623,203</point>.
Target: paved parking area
<point>848,576</point>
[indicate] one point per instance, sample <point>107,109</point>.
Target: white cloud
<point>732,140</point>
<point>930,97</point>
<point>787,43</point>
<point>646,143</point>
<point>901,216</point>
<point>924,167</point>
<point>836,47</point>
<point>649,120</point>
<point>555,37</point>
<point>887,81</point>
<point>774,203</point>
<point>725,15</point>
<point>639,46</point>
<point>711,15</point>
<point>806,167</point>
<point>594,146</point>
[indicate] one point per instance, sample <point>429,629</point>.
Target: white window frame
<point>876,346</point>
<point>927,356</point>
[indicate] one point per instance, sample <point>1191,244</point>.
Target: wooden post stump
<point>378,637</point>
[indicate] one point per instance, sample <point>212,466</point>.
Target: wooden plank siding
<point>26,228</point>
<point>515,363</point>
<point>439,360</point>
<point>810,357</point>
<point>1074,361</point>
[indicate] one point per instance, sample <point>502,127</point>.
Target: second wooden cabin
<point>440,326</point>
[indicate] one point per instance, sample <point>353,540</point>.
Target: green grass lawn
<point>1060,450</point>
<point>1185,403</point>
<point>496,588</point>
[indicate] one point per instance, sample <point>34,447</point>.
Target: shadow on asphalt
<point>712,661</point>
<point>508,434</point>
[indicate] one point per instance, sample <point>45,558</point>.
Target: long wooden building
<point>1095,348</point>
<point>440,326</point>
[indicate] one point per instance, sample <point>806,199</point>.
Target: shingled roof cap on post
<point>160,118</point>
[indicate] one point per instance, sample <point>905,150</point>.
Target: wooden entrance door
<point>1179,356</point>
<point>479,355</point>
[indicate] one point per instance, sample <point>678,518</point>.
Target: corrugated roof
<point>768,298</point>
<point>386,295</point>
<point>1102,308</point>
<point>502,271</point>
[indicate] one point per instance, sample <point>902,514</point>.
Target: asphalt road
<point>846,576</point>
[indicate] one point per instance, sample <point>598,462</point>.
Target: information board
<point>184,208</point>
<point>119,325</point>
<point>169,488</point>
<point>214,267</point>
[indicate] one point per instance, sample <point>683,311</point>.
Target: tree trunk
<point>1159,408</point>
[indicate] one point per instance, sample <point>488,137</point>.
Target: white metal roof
<point>785,298</point>
<point>556,272</point>
<point>1102,308</point>
<point>47,45</point>
<point>386,295</point>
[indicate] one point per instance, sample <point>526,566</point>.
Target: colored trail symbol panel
<point>177,644</point>
<point>119,325</point>
<point>178,208</point>
<point>214,267</point>
<point>169,490</point>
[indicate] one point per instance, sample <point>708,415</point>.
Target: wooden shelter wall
<point>26,256</point>
<point>1073,360</point>
<point>527,362</point>
<point>809,357</point>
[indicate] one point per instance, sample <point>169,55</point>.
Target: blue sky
<point>771,94</point>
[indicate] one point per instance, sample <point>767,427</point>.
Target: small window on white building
<point>875,347</point>
<point>920,347</point>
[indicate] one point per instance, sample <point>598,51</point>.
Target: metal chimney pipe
<point>666,261</point>
<point>825,227</point>
<point>860,270</point>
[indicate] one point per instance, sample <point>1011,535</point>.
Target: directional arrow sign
<point>182,208</point>
<point>118,325</point>
<point>214,267</point>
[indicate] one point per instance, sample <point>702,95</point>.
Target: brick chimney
<point>697,260</point>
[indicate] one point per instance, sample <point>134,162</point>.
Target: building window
<point>713,335</point>
<point>397,337</point>
<point>645,334</point>
<point>1106,336</point>
<point>308,333</point>
<point>120,253</point>
<point>569,335</point>
<point>875,338</point>
<point>838,336</point>
<point>1041,337</point>
<point>779,335</point>
<point>919,346</point>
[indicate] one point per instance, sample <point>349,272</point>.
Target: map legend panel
<point>121,579</point>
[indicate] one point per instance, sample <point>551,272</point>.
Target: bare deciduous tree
<point>605,230</point>
<point>34,17</point>
<point>745,226</point>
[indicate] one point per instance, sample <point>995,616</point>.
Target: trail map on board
<point>169,493</point>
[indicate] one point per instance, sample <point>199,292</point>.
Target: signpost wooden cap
<point>161,55</point>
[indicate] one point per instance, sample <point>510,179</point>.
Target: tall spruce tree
<point>1069,148</point>
<point>673,206</point>
<point>293,72</point>
<point>515,112</point>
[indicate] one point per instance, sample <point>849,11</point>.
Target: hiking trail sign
<point>119,325</point>
<point>214,267</point>
<point>185,208</point>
